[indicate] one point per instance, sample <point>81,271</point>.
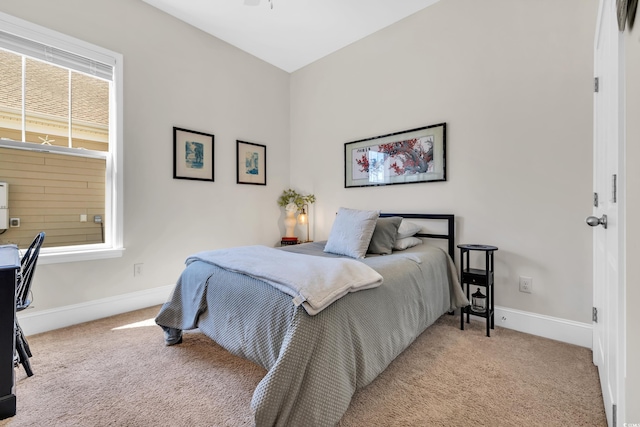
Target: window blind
<point>55,56</point>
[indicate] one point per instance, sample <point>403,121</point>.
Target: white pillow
<point>406,243</point>
<point>407,229</point>
<point>351,232</point>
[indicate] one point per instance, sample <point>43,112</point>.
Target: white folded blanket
<point>313,281</point>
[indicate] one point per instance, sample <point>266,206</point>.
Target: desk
<point>9,266</point>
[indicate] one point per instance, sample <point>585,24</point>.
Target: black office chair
<point>25,276</point>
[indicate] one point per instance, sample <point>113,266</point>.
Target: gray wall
<point>513,81</point>
<point>175,75</point>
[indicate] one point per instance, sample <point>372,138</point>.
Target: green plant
<point>292,196</point>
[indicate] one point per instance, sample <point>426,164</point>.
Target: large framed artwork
<point>407,157</point>
<point>192,155</point>
<point>251,163</point>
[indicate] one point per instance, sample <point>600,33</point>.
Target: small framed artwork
<point>192,155</point>
<point>251,163</point>
<point>411,156</point>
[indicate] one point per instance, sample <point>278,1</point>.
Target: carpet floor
<point>117,372</point>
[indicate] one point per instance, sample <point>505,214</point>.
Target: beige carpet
<point>116,372</point>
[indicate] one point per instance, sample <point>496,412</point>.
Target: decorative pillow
<point>351,232</point>
<point>407,229</point>
<point>384,235</point>
<point>406,243</point>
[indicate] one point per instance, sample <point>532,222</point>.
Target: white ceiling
<point>290,33</point>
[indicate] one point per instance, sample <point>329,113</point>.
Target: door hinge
<point>595,200</point>
<point>594,315</point>
<point>615,414</point>
<point>596,85</point>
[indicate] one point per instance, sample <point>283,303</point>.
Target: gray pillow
<point>351,232</point>
<point>384,235</point>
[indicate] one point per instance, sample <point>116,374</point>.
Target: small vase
<point>290,223</point>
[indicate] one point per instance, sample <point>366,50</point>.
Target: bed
<point>315,362</point>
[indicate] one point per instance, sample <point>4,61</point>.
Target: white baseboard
<point>554,328</point>
<point>48,320</point>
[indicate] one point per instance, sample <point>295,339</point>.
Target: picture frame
<point>193,155</point>
<point>251,163</point>
<point>407,157</point>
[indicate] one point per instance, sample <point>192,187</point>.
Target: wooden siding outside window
<point>49,192</point>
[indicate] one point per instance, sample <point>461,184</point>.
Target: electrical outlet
<point>83,217</point>
<point>14,222</point>
<point>137,269</point>
<point>526,284</point>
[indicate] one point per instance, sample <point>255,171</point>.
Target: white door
<point>608,333</point>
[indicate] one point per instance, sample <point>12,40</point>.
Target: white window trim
<point>114,210</point>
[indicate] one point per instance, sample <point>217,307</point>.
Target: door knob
<point>594,221</point>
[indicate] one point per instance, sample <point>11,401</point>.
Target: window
<point>60,142</point>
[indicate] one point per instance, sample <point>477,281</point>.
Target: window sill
<point>73,256</point>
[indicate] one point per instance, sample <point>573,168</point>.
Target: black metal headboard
<point>450,236</point>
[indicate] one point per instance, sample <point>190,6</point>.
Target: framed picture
<point>192,155</point>
<point>411,156</point>
<point>251,163</point>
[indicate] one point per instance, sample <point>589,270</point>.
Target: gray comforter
<point>314,363</point>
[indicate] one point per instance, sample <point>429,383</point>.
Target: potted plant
<point>293,202</point>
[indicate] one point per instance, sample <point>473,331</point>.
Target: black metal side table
<point>478,277</point>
